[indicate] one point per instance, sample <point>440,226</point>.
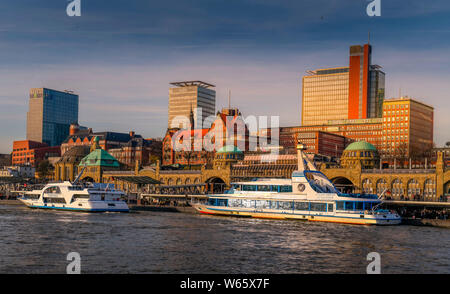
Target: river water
<point>38,241</point>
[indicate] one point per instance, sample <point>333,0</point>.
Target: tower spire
<point>191,118</point>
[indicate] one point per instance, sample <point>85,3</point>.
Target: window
<point>318,206</point>
<point>262,204</point>
<point>273,204</point>
<point>330,207</point>
<point>339,205</point>
<point>263,188</point>
<point>286,189</point>
<point>359,205</point>
<point>248,203</point>
<point>53,190</point>
<point>234,202</point>
<point>301,206</point>
<point>249,187</point>
<point>285,205</point>
<point>348,205</point>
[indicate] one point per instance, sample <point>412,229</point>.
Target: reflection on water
<point>38,241</point>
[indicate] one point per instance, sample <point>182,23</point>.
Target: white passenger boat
<point>75,197</point>
<point>308,195</point>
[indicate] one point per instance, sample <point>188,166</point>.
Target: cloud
<point>120,56</point>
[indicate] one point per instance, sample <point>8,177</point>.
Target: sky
<point>120,56</point>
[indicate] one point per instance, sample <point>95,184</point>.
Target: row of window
<point>54,200</point>
<point>292,205</point>
<point>264,188</point>
<point>272,204</point>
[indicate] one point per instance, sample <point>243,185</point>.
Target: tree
<point>44,169</point>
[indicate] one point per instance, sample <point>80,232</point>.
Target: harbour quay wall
<point>427,222</point>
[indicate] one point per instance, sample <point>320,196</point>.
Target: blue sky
<point>120,56</point>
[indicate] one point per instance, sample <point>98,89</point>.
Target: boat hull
<point>344,219</point>
<point>91,206</point>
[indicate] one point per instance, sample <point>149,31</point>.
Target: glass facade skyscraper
<point>353,92</point>
<point>50,114</point>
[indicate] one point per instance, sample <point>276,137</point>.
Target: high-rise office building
<point>325,96</point>
<point>50,114</point>
<point>191,100</point>
<point>407,127</point>
<point>366,84</point>
<point>353,92</point>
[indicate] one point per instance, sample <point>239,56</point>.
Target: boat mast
<point>79,176</point>
<point>302,159</point>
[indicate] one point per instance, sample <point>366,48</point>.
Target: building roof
<point>99,157</point>
<point>192,83</point>
<point>229,149</point>
<point>74,154</point>
<point>108,136</point>
<point>360,145</point>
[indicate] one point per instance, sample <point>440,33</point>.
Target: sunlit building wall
<point>325,96</point>
<point>407,127</point>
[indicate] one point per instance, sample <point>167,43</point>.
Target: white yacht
<point>75,197</point>
<point>308,195</point>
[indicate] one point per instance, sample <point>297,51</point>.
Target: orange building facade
<point>407,128</point>
<point>27,152</point>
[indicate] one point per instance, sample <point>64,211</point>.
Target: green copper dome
<point>99,157</point>
<point>229,149</point>
<point>361,145</point>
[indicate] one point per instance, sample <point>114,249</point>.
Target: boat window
<point>248,203</point>
<point>75,188</point>
<point>262,204</point>
<point>263,188</point>
<point>79,196</point>
<point>301,206</point>
<point>285,205</point>
<point>273,204</point>
<point>339,205</point>
<point>367,205</point>
<point>318,206</point>
<point>286,189</point>
<point>222,202</point>
<point>32,196</point>
<point>237,187</point>
<point>274,188</point>
<point>52,190</point>
<point>359,205</point>
<point>348,205</point>
<point>330,207</point>
<point>234,202</point>
<point>54,200</point>
<point>249,187</point>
